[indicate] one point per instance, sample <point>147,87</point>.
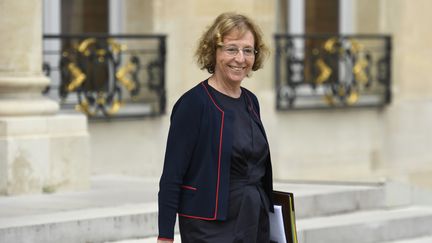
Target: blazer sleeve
<point>182,137</point>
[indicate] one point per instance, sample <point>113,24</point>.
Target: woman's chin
<point>237,78</point>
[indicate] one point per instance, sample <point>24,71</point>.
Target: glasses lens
<point>231,50</point>
<point>248,51</point>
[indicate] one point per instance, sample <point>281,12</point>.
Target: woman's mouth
<point>235,68</point>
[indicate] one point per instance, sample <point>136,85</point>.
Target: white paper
<point>277,230</point>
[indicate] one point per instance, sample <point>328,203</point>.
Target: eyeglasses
<point>234,50</point>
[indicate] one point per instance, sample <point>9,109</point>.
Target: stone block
<point>25,164</point>
<point>43,154</point>
<point>397,193</point>
<point>370,199</point>
<point>336,202</point>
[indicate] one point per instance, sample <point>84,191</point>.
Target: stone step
<point>314,200</point>
<point>427,239</point>
<point>367,226</point>
<point>88,225</point>
<point>152,239</point>
<point>118,208</point>
<point>378,230</point>
<point>361,227</point>
<point>139,221</point>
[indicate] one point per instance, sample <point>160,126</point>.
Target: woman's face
<point>234,67</point>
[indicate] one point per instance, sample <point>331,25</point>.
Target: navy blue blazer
<point>195,177</point>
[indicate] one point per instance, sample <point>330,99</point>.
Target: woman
<point>217,172</point>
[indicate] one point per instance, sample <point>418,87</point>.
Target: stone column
<point>40,150</point>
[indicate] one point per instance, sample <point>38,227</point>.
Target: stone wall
<point>360,144</point>
<point>407,137</point>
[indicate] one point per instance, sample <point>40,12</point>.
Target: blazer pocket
<point>188,188</point>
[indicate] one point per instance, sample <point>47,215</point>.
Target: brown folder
<point>286,200</point>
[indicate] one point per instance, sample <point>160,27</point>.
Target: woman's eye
<point>232,49</point>
<point>248,51</point>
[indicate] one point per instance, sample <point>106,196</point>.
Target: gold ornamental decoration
<point>324,71</point>
<point>87,67</point>
<point>348,55</point>
<point>78,77</point>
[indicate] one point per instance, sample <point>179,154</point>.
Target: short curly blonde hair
<point>222,26</point>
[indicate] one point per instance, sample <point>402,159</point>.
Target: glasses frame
<point>237,51</point>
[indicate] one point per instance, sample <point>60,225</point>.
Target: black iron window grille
<point>107,76</point>
<point>328,71</point>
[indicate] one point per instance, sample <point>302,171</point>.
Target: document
<point>277,230</point>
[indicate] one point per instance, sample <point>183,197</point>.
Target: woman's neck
<point>226,88</point>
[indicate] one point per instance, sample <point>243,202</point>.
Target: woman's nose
<point>240,56</point>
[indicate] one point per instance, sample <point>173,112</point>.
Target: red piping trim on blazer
<point>188,187</point>
<point>219,161</point>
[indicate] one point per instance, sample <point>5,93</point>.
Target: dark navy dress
<point>247,219</point>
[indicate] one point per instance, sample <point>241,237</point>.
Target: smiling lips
<point>237,68</point>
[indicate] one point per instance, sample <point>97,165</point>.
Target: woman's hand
<point>165,241</point>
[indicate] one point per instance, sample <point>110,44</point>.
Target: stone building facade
<point>345,144</point>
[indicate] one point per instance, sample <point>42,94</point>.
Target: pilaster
<point>40,149</point>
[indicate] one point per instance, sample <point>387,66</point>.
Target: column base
<point>22,96</point>
<point>28,107</point>
<point>44,154</point>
